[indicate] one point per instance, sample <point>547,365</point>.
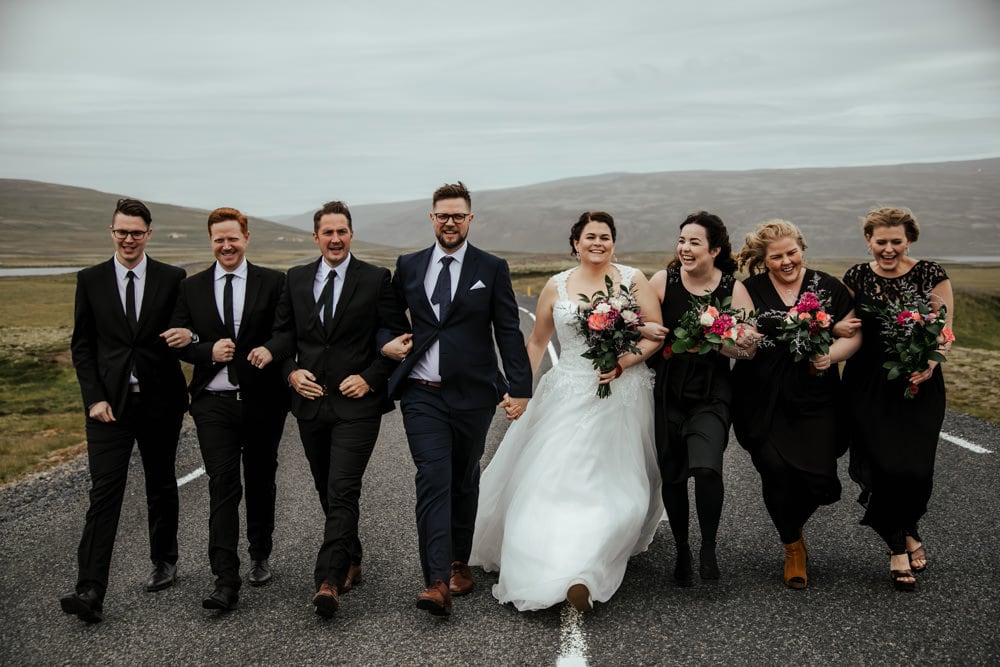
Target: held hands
<point>397,348</point>
<point>101,411</point>
<point>514,407</point>
<point>223,350</point>
<point>177,337</point>
<point>847,327</point>
<point>260,357</point>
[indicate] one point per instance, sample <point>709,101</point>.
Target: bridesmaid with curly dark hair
<point>693,391</point>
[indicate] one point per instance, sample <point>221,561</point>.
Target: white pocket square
<point>479,285</point>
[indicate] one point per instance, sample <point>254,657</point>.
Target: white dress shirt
<point>429,366</point>
<point>221,380</point>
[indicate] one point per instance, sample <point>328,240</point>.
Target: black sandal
<point>898,582</point>
<point>918,554</point>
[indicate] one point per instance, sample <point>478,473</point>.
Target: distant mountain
<point>43,224</point>
<point>957,204</point>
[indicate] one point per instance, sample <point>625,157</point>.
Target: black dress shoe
<point>87,605</point>
<point>260,572</point>
<point>164,575</point>
<point>223,598</point>
<point>683,574</point>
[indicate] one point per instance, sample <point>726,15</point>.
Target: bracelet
<point>618,371</point>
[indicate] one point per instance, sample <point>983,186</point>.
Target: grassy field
<point>41,415</point>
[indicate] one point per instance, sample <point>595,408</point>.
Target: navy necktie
<point>230,322</point>
<point>130,314</point>
<point>441,296</point>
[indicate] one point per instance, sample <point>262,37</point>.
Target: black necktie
<point>130,314</point>
<point>441,296</point>
<point>326,299</point>
<point>230,322</point>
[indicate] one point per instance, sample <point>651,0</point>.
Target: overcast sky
<point>277,106</point>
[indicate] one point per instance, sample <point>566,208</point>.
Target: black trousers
<point>446,446</point>
<point>231,432</point>
<point>338,451</point>
<point>109,449</point>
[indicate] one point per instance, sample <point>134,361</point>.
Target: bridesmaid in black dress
<point>692,391</point>
<point>786,414</point>
<point>894,439</point>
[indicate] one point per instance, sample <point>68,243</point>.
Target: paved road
<point>848,615</point>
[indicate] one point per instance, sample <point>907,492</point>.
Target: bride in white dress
<point>574,490</point>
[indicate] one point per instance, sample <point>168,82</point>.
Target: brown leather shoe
<point>436,599</point>
<point>461,579</point>
<point>795,565</point>
<point>353,577</point>
<point>326,600</point>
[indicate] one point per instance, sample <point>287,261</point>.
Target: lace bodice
<point>577,372</point>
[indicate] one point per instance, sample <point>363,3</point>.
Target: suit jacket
<point>483,309</point>
<point>366,305</point>
<point>105,350</point>
<point>264,389</point>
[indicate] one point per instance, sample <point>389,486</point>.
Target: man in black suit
<point>238,405</point>
<point>460,300</point>
<point>326,323</point>
<point>133,391</point>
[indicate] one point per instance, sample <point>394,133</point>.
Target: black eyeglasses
<point>122,234</point>
<point>457,217</point>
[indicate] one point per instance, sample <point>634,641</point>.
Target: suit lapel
<point>470,265</point>
<point>150,292</point>
<point>346,292</point>
<point>249,296</point>
<point>304,295</point>
<point>422,262</point>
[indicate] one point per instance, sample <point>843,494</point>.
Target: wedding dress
<point>573,490</point>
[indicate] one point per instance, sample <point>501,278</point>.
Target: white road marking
<point>194,474</point>
<point>972,447</point>
<point>572,644</point>
<point>552,348</point>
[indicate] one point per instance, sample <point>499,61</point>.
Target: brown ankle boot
<point>795,565</point>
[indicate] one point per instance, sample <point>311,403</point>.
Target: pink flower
<point>598,321</point>
<point>807,302</point>
<point>948,335</point>
<point>805,316</point>
<point>722,322</point>
<point>903,317</point>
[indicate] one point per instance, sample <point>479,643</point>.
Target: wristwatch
<point>194,337</point>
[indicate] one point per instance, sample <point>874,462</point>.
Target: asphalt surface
<point>849,614</point>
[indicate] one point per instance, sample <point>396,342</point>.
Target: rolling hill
<point>957,204</point>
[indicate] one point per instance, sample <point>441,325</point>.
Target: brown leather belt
<point>426,383</point>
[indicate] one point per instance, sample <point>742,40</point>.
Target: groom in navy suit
<point>460,301</point>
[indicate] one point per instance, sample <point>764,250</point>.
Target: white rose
<point>706,320</point>
<point>603,308</point>
<point>629,316</point>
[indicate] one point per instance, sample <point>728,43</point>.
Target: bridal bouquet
<point>610,326</point>
<point>707,325</point>
<point>912,331</point>
<point>808,327</point>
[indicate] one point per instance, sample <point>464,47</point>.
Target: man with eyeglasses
<point>133,391</point>
<point>460,300</point>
